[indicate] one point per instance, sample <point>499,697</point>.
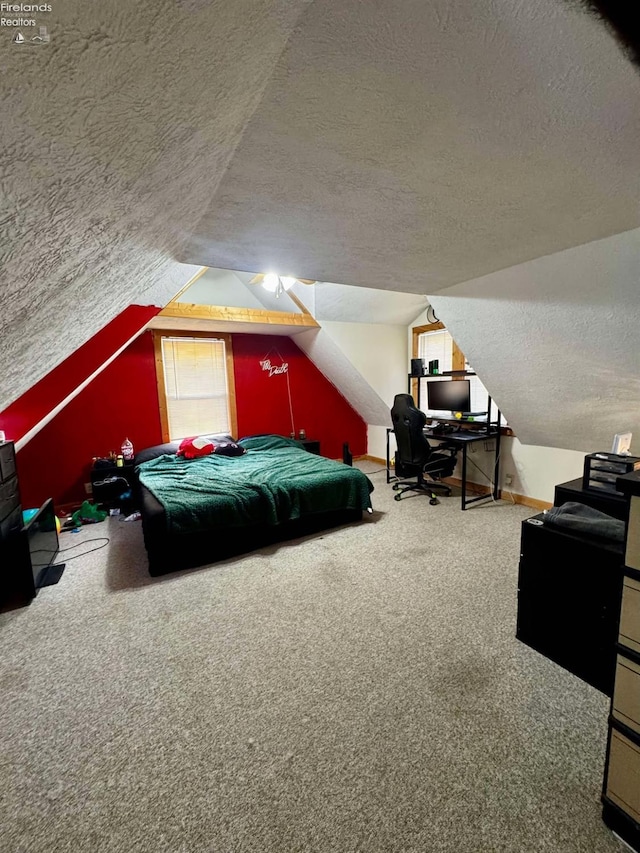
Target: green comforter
<point>273,482</point>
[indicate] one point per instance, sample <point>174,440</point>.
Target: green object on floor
<point>88,514</point>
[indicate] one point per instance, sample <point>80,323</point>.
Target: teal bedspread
<point>273,482</point>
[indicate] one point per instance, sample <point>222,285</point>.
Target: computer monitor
<point>449,395</point>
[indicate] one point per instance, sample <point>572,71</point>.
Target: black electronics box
<point>417,367</point>
<point>601,470</point>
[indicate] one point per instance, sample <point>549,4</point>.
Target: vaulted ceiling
<point>402,144</point>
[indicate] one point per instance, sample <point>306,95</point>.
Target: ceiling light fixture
<point>278,284</point>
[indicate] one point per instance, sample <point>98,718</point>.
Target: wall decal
<point>274,369</point>
<point>278,370</point>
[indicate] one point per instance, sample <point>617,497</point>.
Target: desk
<point>462,440</point>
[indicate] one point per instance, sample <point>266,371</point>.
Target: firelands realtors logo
<point>25,30</point>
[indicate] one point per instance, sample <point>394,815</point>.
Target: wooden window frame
<point>457,356</point>
<point>158,335</point>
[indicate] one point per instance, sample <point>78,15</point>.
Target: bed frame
<point>170,552</point>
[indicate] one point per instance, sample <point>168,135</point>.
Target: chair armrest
<point>440,464</point>
<point>452,449</point>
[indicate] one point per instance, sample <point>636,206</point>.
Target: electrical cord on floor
<point>490,480</point>
<point>491,483</point>
<point>104,539</point>
<point>513,500</point>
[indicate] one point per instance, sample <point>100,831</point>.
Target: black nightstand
<point>311,445</point>
<point>108,493</point>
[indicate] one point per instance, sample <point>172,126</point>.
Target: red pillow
<point>195,446</point>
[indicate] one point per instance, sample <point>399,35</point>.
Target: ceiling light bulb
<point>271,282</point>
<point>287,281</point>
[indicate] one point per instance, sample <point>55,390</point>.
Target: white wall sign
<point>272,369</point>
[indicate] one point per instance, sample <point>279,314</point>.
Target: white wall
<point>338,368</point>
<point>535,470</point>
<point>378,352</point>
<point>221,287</point>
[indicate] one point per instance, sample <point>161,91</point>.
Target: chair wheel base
<point>434,501</point>
<point>397,497</point>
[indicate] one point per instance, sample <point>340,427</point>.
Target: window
<point>435,342</point>
<point>195,378</point>
<point>436,345</point>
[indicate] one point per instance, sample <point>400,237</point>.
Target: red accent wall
<point>122,401</point>
<point>318,407</point>
<point>29,409</point>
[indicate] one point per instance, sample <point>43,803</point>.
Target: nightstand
<point>108,493</point>
<point>311,445</point>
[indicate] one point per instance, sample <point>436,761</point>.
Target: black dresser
<point>569,588</point>
<point>16,576</point>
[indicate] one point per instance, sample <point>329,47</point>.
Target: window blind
<point>197,393</point>
<point>434,345</point>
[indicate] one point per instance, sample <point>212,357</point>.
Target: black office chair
<point>415,457</point>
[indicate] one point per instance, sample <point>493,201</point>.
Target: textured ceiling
<point>112,142</point>
<point>413,145</point>
<point>557,342</point>
<point>402,144</point>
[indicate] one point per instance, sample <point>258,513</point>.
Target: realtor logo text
<point>25,7</point>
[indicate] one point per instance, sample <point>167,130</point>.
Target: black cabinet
<point>569,590</point>
<point>110,482</point>
<point>612,503</point>
<point>311,445</point>
<point>16,576</point>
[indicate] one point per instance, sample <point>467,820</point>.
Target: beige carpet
<point>357,691</point>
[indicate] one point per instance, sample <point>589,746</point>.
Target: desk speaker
<point>417,367</point>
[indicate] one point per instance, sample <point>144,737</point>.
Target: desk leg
<point>496,465</point>
<point>463,498</point>
<point>388,458</point>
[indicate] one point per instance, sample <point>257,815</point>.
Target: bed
<point>198,511</point>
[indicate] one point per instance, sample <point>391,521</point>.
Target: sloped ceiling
<point>113,140</point>
<point>556,340</point>
<point>402,144</point>
<point>327,301</point>
<point>225,287</point>
<point>346,304</point>
<point>412,145</point>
